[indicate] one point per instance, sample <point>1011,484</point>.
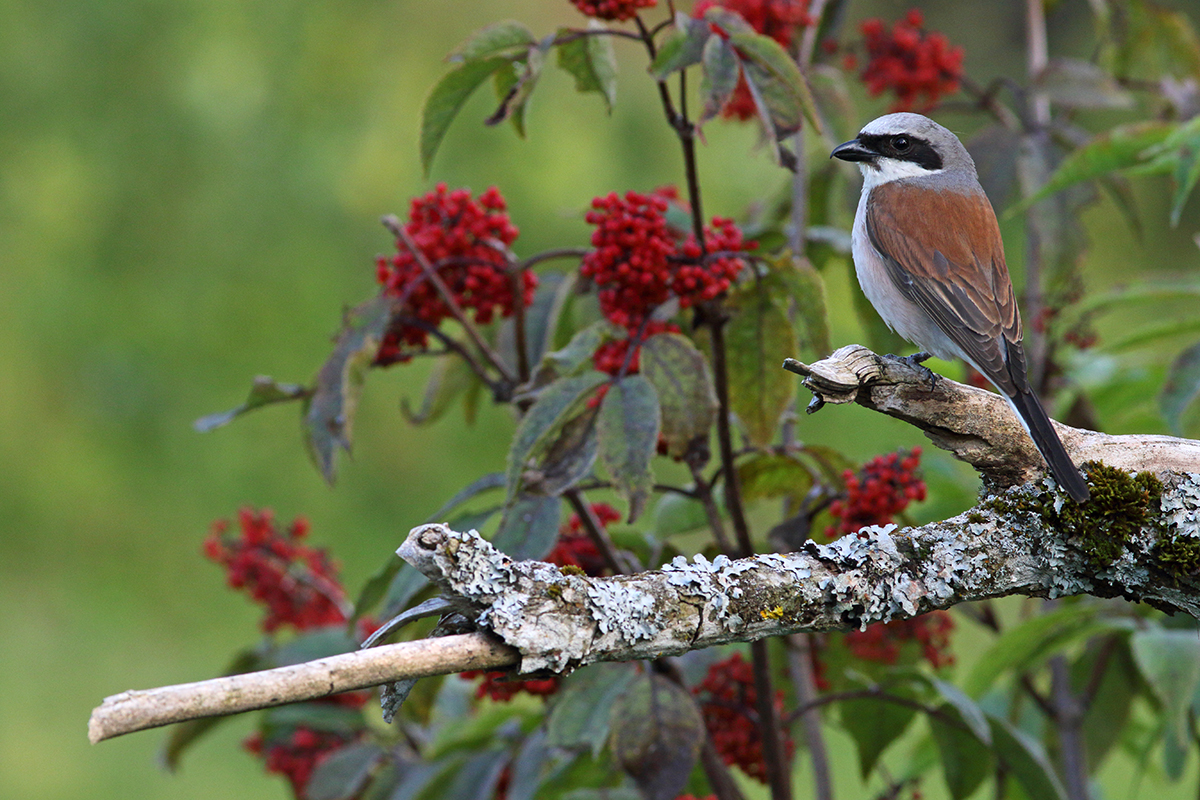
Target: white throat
<point>886,170</point>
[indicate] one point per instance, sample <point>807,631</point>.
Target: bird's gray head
<point>906,145</point>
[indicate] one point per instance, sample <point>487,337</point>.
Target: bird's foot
<point>916,362</point>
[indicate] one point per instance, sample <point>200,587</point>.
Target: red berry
<point>909,62</point>
<point>465,242</point>
<point>612,9</point>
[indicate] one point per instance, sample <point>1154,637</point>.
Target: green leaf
<point>318,716</point>
<point>657,732</point>
<point>592,61</point>
<point>681,48</point>
<point>763,475</point>
<point>1112,702</point>
<point>718,77</point>
<point>476,778</point>
<point>970,713</point>
<point>264,391</point>
<point>406,584</point>
<point>768,65</point>
<point>330,640</point>
<point>873,725</point>
<point>557,404</point>
<point>966,761</point>
<point>582,712</point>
<point>1152,334</point>
<point>1169,660</point>
<point>343,773</point>
<point>1187,172</point>
<point>676,513</point>
<point>529,527</point>
<point>628,430</point>
<point>680,375</point>
<point>449,379</point>
<point>1026,761</point>
<point>447,99</point>
<point>185,734</point>
<point>1120,148</point>
<point>757,339</point>
<point>1022,647</point>
<point>535,765</point>
<point>499,38</point>
<point>1076,83</point>
<point>575,356</point>
<point>1182,387</point>
<point>801,281</point>
<point>329,412</point>
<point>514,85</point>
<point>570,458</point>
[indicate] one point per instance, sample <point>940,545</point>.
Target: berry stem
<point>733,494</point>
<point>393,225</point>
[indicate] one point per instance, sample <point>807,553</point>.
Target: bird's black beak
<point>854,150</point>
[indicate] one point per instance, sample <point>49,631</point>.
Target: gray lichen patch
<point>715,582</point>
<point>1181,507</point>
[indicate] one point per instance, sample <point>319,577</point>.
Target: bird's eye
<point>901,143</point>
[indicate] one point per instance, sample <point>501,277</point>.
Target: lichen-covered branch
<point>1139,539</point>
<point>976,425</point>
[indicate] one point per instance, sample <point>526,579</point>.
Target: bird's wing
<point>943,252</point>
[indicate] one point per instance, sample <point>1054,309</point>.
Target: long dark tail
<point>1037,422</point>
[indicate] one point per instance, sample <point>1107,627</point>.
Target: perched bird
<point>928,256</point>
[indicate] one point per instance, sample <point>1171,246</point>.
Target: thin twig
<point>138,710</point>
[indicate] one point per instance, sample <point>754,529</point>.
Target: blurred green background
<point>189,194</point>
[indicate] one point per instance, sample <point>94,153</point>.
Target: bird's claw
<point>916,362</point>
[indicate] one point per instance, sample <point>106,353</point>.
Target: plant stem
<point>686,133</point>
<point>1037,54</point>
<point>804,683</point>
<point>1068,721</point>
<point>733,494</point>
<point>774,758</point>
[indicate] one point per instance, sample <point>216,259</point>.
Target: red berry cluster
<point>464,240</point>
<point>497,686</point>
<point>910,62</point>
<point>639,262</point>
<point>296,583</point>
<point>576,549</point>
<point>612,9</point>
<point>883,488</point>
<point>727,702</point>
<point>296,756</point>
<point>779,19</point>
<point>882,642</point>
<point>610,356</point>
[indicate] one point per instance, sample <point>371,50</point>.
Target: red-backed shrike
<point>928,256</point>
